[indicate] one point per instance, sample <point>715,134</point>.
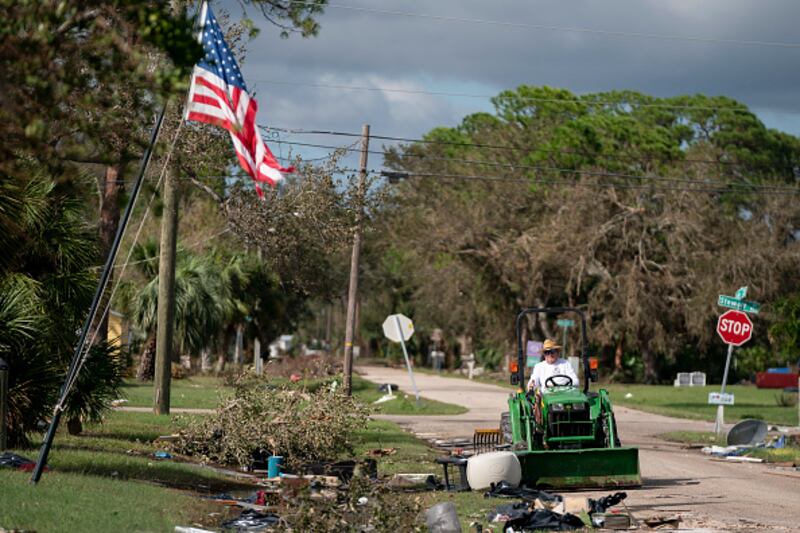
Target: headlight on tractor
<point>578,406</point>
<point>557,407</point>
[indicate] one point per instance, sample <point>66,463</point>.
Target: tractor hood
<point>564,395</point>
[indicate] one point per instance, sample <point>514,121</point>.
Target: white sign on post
<point>720,398</point>
<point>400,328</point>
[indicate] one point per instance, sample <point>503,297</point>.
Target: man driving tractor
<point>554,367</point>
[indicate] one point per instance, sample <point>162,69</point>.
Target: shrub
<point>263,418</point>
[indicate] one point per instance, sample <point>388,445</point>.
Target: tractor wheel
<point>506,435</point>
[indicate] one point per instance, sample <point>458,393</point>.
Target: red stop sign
<point>734,327</point>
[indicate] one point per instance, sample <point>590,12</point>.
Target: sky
<point>405,67</point>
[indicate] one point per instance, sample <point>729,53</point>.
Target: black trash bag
<point>506,490</point>
<point>509,511</point>
<point>251,520</point>
<point>519,517</point>
<point>600,505</point>
<point>546,519</point>
<point>16,462</point>
<point>384,387</point>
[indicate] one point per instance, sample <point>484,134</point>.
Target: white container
<point>493,467</point>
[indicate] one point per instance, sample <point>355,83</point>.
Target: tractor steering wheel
<point>566,381</point>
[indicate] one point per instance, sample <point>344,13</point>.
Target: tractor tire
<point>506,435</point>
<point>603,436</point>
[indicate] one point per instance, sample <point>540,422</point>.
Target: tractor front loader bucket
<point>586,468</point>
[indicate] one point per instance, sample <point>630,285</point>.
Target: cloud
<point>384,51</point>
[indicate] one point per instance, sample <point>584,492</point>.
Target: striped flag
<point>218,95</point>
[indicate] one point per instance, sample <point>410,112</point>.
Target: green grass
<point>405,404</point>
<point>107,480</point>
<point>204,392</point>
<point>692,402</point>
<point>198,392</point>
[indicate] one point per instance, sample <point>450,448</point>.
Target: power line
<point>510,148</point>
<point>724,187</point>
<point>583,101</point>
<point>560,170</point>
<point>571,29</point>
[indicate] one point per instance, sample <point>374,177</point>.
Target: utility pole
<point>352,293</point>
<point>166,294</point>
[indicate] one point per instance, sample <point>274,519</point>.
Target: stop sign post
<point>399,328</point>
<point>734,328</point>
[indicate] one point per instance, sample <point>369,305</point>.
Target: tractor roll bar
<point>552,310</point>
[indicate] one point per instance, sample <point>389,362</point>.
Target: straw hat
<point>550,344</point>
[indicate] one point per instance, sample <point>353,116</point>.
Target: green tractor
<point>566,437</point>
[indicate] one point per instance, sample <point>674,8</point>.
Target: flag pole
<point>112,255</point>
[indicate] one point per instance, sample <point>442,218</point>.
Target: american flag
<point>218,95</point>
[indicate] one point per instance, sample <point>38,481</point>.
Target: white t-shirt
<point>544,370</point>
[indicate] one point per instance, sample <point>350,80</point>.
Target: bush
<point>263,418</point>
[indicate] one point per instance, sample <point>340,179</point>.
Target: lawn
<point>692,402</point>
<point>107,479</point>
<point>204,392</point>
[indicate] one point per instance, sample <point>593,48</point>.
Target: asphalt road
<point>709,494</point>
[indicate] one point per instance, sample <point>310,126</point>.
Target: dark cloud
<point>390,51</point>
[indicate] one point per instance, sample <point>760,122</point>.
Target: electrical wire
<point>571,29</point>
<point>561,170</point>
<point>507,148</point>
<point>702,186</point>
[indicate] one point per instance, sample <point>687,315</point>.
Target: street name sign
<point>734,327</point>
<point>565,323</point>
<point>738,304</point>
<point>720,398</point>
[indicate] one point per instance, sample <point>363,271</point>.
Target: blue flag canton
<point>218,58</point>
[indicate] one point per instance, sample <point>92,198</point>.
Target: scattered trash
<point>274,466</point>
<point>443,518</point>
<point>118,402</point>
<point>601,505</point>
<point>189,529</point>
<point>739,459</point>
<point>517,516</point>
<point>507,490</point>
<point>381,452</point>
<point>611,520</point>
<point>362,501</point>
<point>385,398</point>
<point>661,520</point>
<point>251,520</point>
<point>167,438</point>
<point>628,396</point>
<point>294,378</point>
<point>387,388</point>
<point>162,455</point>
<point>414,481</point>
<point>747,433</point>
<point>18,462</point>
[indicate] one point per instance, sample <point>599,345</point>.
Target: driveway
<point>708,493</point>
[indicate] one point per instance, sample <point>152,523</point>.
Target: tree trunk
<point>147,364</point>
<point>109,222</point>
<point>650,367</point>
<point>618,356</point>
<point>205,361</point>
<point>74,426</point>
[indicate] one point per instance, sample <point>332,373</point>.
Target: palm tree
<point>46,285</point>
<point>202,300</point>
